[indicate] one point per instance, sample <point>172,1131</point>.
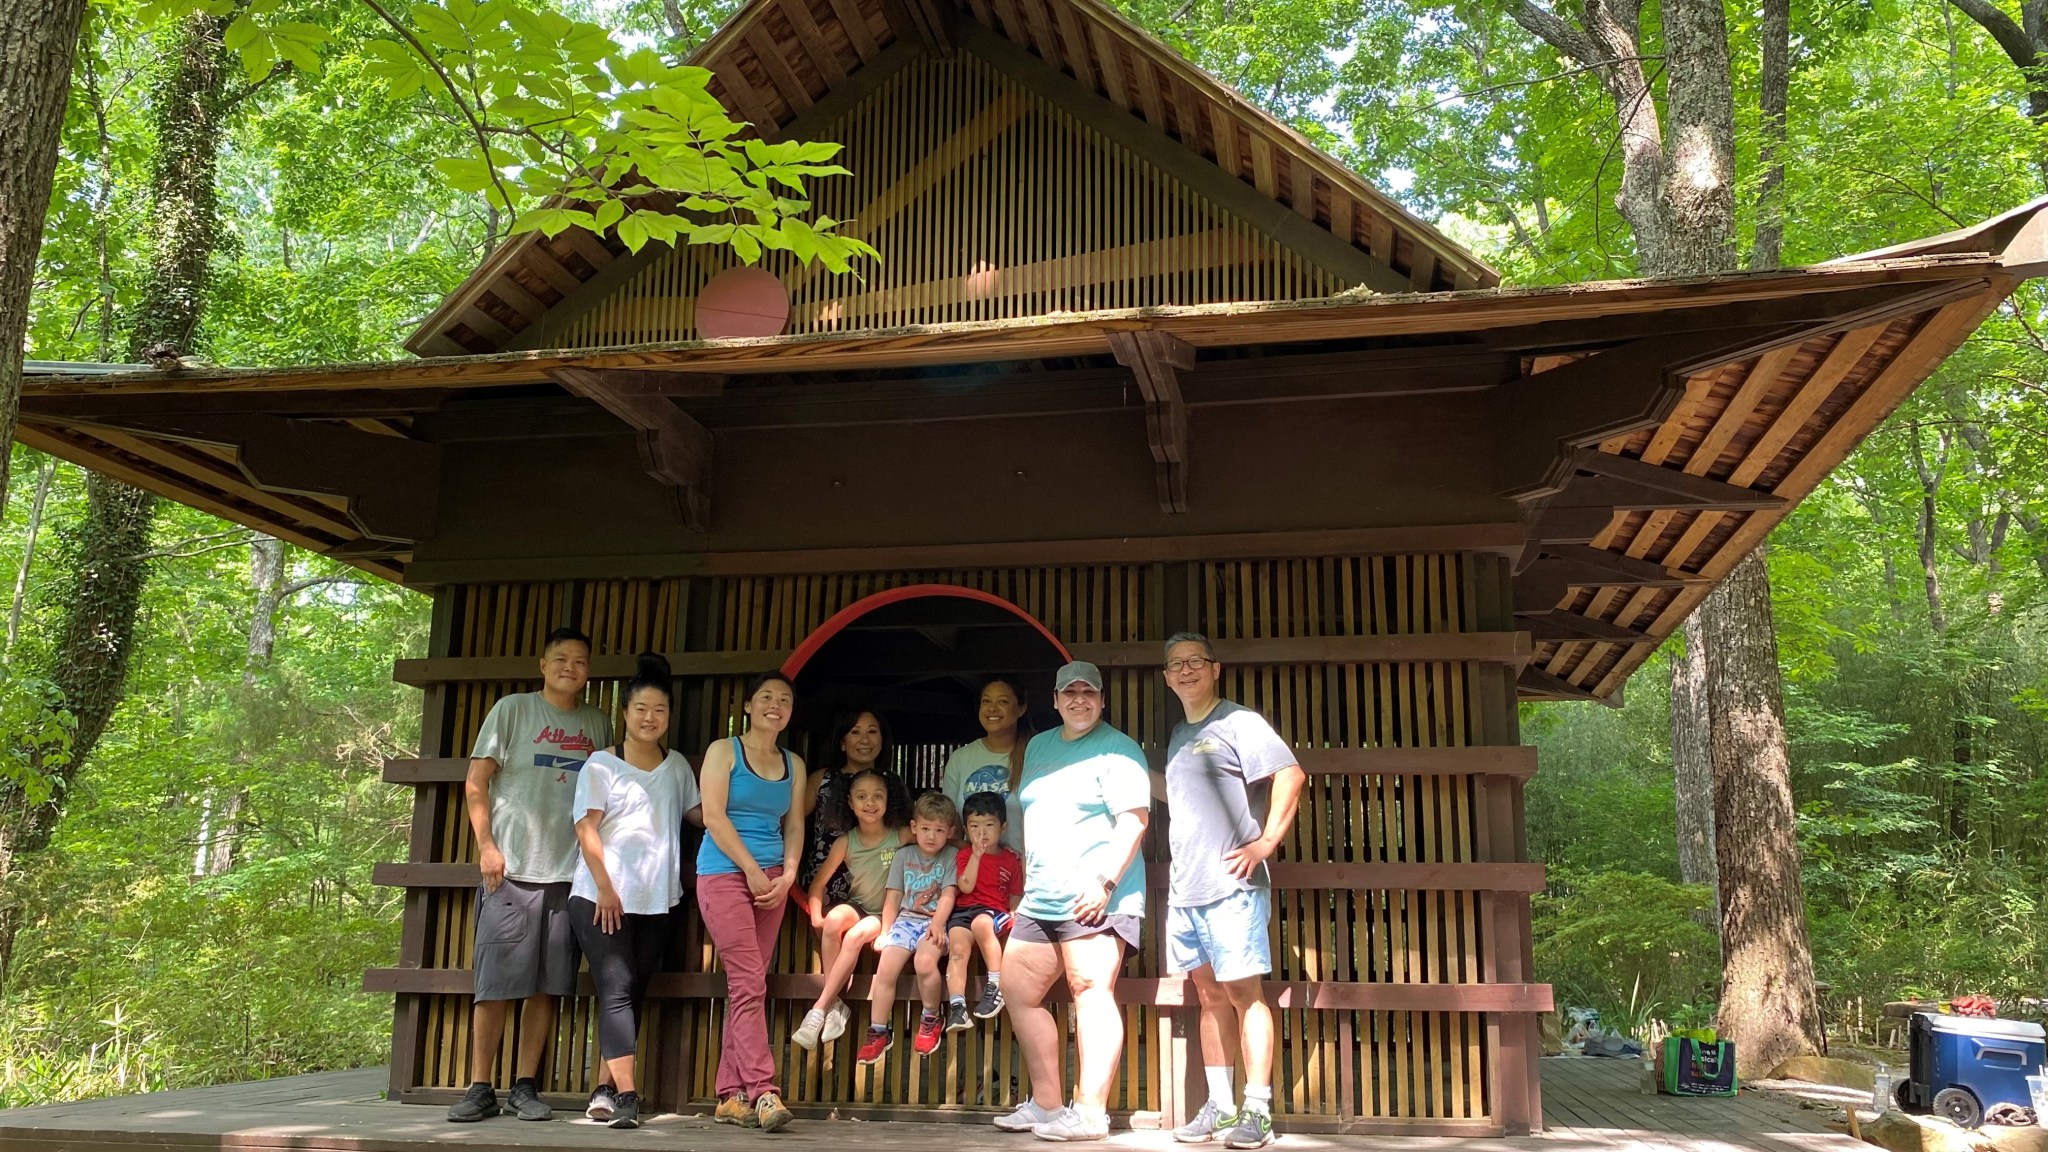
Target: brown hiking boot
<point>735,1109</point>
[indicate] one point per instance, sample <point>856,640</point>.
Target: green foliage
<point>561,125</point>
<point>1625,943</point>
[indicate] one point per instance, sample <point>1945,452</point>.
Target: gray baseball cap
<point>1077,672</point>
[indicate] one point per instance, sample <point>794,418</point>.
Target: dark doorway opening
<point>917,656</point>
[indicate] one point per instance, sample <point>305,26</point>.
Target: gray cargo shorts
<point>524,946</point>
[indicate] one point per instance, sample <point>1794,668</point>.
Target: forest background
<point>204,908</point>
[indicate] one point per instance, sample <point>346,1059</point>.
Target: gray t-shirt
<point>922,879</point>
<point>1209,767</point>
<point>540,750</point>
<point>973,768</point>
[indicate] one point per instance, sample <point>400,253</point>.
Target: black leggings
<point>620,965</point>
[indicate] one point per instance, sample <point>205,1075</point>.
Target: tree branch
<point>476,127</point>
<point>1583,68</point>
<point>1555,31</point>
<point>2002,28</point>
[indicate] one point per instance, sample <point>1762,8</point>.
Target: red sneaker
<point>878,1042</point>
<point>929,1031</point>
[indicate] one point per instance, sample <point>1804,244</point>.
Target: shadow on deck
<point>1588,1106</point>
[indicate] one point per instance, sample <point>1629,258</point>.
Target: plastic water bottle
<point>1881,1089</point>
<point>1646,1083</point>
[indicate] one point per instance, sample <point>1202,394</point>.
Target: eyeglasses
<point>1192,663</point>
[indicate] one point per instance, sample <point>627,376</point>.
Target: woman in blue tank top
<point>754,835</point>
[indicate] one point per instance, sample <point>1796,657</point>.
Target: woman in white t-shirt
<point>994,762</point>
<point>631,801</point>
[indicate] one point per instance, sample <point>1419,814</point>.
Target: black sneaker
<point>525,1100</point>
<point>479,1103</point>
<point>991,1004</point>
<point>626,1110</point>
<point>602,1102</point>
<point>956,1017</point>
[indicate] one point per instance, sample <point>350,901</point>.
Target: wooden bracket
<point>1542,421</point>
<point>674,448</point>
<point>1155,359</point>
<point>392,484</point>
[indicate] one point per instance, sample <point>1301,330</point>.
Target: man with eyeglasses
<point>1232,785</point>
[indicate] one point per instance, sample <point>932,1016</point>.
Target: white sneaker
<point>1073,1124</point>
<point>1027,1117</point>
<point>837,1017</point>
<point>806,1034</point>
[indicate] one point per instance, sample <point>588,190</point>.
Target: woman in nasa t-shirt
<point>994,762</point>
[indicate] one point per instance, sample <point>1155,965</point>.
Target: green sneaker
<point>1254,1129</point>
<point>1204,1126</point>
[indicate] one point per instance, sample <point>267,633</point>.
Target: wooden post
<point>408,1022</point>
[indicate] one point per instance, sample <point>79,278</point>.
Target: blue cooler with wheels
<point>1962,1065</point>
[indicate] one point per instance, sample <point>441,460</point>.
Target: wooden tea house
<point>1137,358</point>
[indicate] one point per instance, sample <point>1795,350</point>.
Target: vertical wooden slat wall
<point>991,203</point>
<point>1337,1069</point>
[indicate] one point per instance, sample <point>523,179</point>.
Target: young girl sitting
<point>873,820</point>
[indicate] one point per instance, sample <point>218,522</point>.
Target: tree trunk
<point>1774,90</point>
<point>1692,767</point>
<point>1768,1002</point>
<point>44,476</point>
<point>220,824</point>
<point>1678,195</point>
<point>37,40</point>
<point>1931,477</point>
<point>90,663</point>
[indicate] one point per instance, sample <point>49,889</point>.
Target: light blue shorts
<point>907,931</point>
<point>1231,936</point>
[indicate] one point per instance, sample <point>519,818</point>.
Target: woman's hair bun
<point>653,666</point>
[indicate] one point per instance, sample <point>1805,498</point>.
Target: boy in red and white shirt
<point>991,881</point>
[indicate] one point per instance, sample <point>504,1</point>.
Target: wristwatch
<point>1108,885</point>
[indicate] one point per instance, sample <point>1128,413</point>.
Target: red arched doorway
<point>917,655</point>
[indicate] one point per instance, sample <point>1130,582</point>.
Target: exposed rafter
<point>391,485</point>
<point>674,448</point>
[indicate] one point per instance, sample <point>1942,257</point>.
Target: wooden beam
<point>662,382</point>
<point>1638,306</point>
<point>1390,648</point>
<point>1557,624</point>
<point>391,485</point>
<point>1627,569</point>
<point>1544,583</point>
<point>1542,421</point>
<point>1402,648</point>
<point>808,34</point>
<point>1159,991</point>
<point>1181,161</point>
<point>1535,682</point>
<point>444,770</point>
<point>1683,489</point>
<point>1155,359</point>
<point>1512,761</point>
<point>674,448</point>
<point>1501,538</point>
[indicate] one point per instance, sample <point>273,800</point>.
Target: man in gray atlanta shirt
<point>1232,785</point>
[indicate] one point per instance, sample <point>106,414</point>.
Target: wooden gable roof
<point>1670,423</point>
<point>1137,179</point>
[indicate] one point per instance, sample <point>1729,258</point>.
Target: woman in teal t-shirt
<point>1086,797</point>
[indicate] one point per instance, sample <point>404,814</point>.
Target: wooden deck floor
<point>1588,1105</point>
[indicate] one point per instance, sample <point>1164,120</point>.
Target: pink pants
<point>745,937</point>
